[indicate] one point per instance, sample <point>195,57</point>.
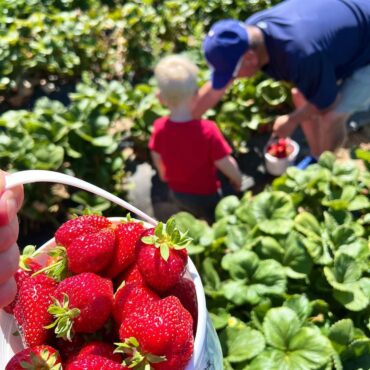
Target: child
<point>188,152</point>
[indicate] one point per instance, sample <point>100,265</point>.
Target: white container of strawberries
<point>280,153</point>
<point>109,293</point>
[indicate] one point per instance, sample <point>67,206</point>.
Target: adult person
<point>321,46</point>
<point>10,202</point>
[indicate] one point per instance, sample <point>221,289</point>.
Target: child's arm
<point>230,169</point>
<point>158,163</point>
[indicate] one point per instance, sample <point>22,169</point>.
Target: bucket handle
<point>32,176</point>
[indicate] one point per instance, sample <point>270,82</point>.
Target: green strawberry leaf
<point>342,332</point>
<point>300,305</point>
<point>253,278</point>
<point>241,343</point>
<point>293,347</point>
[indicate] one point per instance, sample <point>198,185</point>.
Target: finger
<point>10,202</point>
<point>9,234</point>
<point>8,290</point>
<point>17,192</point>
<point>9,261</point>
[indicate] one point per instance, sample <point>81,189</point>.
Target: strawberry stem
<point>43,361</point>
<point>64,317</point>
<point>167,236</point>
<point>29,252</point>
<point>59,269</point>
<point>136,358</point>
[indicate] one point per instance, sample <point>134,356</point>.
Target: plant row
<point>287,272</point>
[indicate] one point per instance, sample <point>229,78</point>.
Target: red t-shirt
<point>188,151</point>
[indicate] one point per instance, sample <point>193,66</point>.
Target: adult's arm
<point>10,202</point>
<point>207,98</point>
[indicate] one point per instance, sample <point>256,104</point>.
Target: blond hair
<point>177,79</point>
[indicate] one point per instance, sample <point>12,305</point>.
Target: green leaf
<point>219,317</point>
<point>342,332</point>
<point>294,347</point>
<point>300,305</point>
<point>272,213</point>
<point>279,326</point>
<point>226,206</point>
<point>308,225</point>
<point>345,271</point>
<point>210,275</point>
<point>327,160</point>
<point>354,300</point>
<point>241,343</point>
<point>241,264</point>
<point>236,236</point>
<point>254,278</point>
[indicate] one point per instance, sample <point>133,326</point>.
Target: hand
<point>10,202</point>
<point>283,126</point>
<point>237,184</point>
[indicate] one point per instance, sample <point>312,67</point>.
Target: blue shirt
<point>316,43</point>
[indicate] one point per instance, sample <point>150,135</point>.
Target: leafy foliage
<point>293,288</point>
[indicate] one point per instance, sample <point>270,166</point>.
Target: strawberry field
<point>286,271</point>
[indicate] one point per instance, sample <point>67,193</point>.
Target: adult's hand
<point>283,126</point>
<point>10,203</point>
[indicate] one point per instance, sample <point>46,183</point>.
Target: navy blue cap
<point>225,43</point>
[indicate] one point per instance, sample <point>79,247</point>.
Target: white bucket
<point>277,166</point>
<point>207,350</point>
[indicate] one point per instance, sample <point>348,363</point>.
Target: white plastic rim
<point>11,344</point>
<point>32,176</point>
<point>277,166</point>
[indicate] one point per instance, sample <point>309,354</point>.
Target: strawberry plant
<point>286,272</point>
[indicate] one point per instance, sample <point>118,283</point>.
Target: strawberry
<point>41,357</point>
<point>82,304</point>
<point>31,309</point>
<point>159,336</point>
<point>130,296</point>
<point>79,226</point>
<point>127,234</point>
<point>70,349</point>
<point>280,149</point>
<point>185,291</point>
<point>100,349</point>
<point>91,252</point>
<point>93,362</point>
<point>161,256</point>
<point>131,275</point>
<point>27,266</point>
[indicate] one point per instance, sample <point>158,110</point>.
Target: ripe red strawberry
<point>41,357</point>
<point>31,309</point>
<point>162,333</point>
<point>100,349</point>
<point>131,275</point>
<point>185,291</point>
<point>161,256</point>
<point>127,234</point>
<point>280,149</point>
<point>27,266</point>
<point>82,304</point>
<point>92,362</point>
<point>130,296</point>
<point>83,225</point>
<point>70,349</point>
<point>91,252</point>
